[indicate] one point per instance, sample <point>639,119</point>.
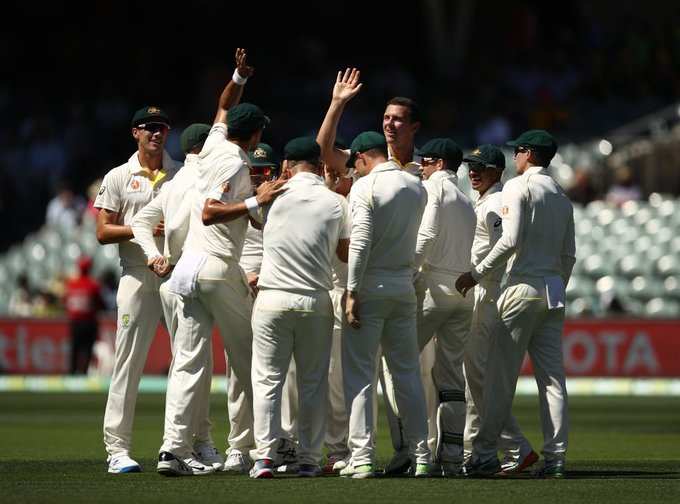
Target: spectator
<point>64,210</point>
<point>82,300</point>
<point>624,187</point>
<point>21,300</point>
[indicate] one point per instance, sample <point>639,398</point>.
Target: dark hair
<point>411,105</point>
<point>377,150</point>
<point>542,156</point>
<point>242,135</point>
<point>293,162</point>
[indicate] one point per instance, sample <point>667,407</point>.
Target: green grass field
<point>622,450</point>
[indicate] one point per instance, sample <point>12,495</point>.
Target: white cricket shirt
<point>173,206</point>
<point>251,256</point>
<point>489,229</point>
<point>125,190</point>
<point>300,236</point>
<point>224,175</point>
<point>386,207</point>
<point>538,229</point>
<point>447,228</point>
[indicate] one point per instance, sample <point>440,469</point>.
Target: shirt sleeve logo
<point>101,190</point>
<point>505,210</point>
<point>498,222</point>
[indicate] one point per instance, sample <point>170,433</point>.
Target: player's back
<point>397,200</point>
<point>545,229</point>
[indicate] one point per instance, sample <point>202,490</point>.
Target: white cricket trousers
<point>526,324</point>
<point>289,323</point>
<point>337,424</point>
<point>186,427</point>
<point>390,323</point>
<point>446,314</point>
<point>485,321</point>
<point>222,297</point>
<point>139,311</point>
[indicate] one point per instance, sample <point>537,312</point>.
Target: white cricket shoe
<point>237,463</point>
<point>169,465</point>
<point>122,464</point>
<point>207,454</point>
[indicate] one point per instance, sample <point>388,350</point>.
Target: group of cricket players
<point>326,274</point>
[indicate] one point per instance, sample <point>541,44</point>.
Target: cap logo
<point>259,153</point>
<point>153,110</point>
<point>476,151</point>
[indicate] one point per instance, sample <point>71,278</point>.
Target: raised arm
<point>233,91</point>
<point>346,87</point>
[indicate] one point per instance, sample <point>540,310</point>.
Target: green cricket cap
<point>246,118</point>
<point>193,135</point>
<point>263,155</point>
<point>536,139</point>
<point>302,149</point>
<point>487,155</point>
<point>364,142</point>
<point>442,148</point>
<point>149,114</point>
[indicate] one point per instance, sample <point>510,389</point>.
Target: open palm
<point>347,85</point>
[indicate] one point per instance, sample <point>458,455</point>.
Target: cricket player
<point>401,122</point>
<point>124,191</point>
<point>386,206</point>
<point>187,430</point>
<point>263,167</point>
<point>304,228</point>
<point>538,243</point>
<point>443,254</point>
<point>485,168</point>
<point>212,284</point>
<point>172,207</point>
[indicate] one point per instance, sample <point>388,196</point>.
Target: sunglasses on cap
<point>154,127</point>
<point>521,149</point>
<point>428,161</point>
<point>478,167</point>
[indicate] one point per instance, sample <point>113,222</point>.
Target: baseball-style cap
<point>302,149</point>
<point>149,114</point>
<point>246,117</point>
<point>363,142</point>
<point>263,155</point>
<point>442,148</point>
<point>193,135</point>
<point>487,155</point>
<point>535,139</point>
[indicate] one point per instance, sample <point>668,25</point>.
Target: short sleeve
<point>109,197</point>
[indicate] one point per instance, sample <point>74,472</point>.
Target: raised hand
<point>244,70</point>
<point>347,85</point>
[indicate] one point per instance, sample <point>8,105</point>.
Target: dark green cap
<point>302,149</point>
<point>363,142</point>
<point>263,155</point>
<point>487,155</point>
<point>442,148</point>
<point>536,139</point>
<point>149,114</point>
<point>246,118</point>
<point>193,135</point>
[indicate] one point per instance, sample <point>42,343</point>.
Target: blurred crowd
<point>578,74</point>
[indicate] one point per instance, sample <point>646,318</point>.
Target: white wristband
<point>251,203</point>
<point>238,79</point>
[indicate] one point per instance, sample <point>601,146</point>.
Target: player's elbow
<point>101,236</point>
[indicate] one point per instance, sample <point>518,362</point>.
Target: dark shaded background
<point>73,75</point>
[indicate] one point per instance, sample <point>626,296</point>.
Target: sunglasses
<point>477,167</point>
<point>428,161</point>
<point>521,149</point>
<point>154,127</point>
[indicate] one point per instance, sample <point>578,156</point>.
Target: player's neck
<point>152,162</point>
<point>402,153</point>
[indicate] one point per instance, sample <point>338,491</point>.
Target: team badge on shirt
<point>125,319</point>
<point>134,186</point>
